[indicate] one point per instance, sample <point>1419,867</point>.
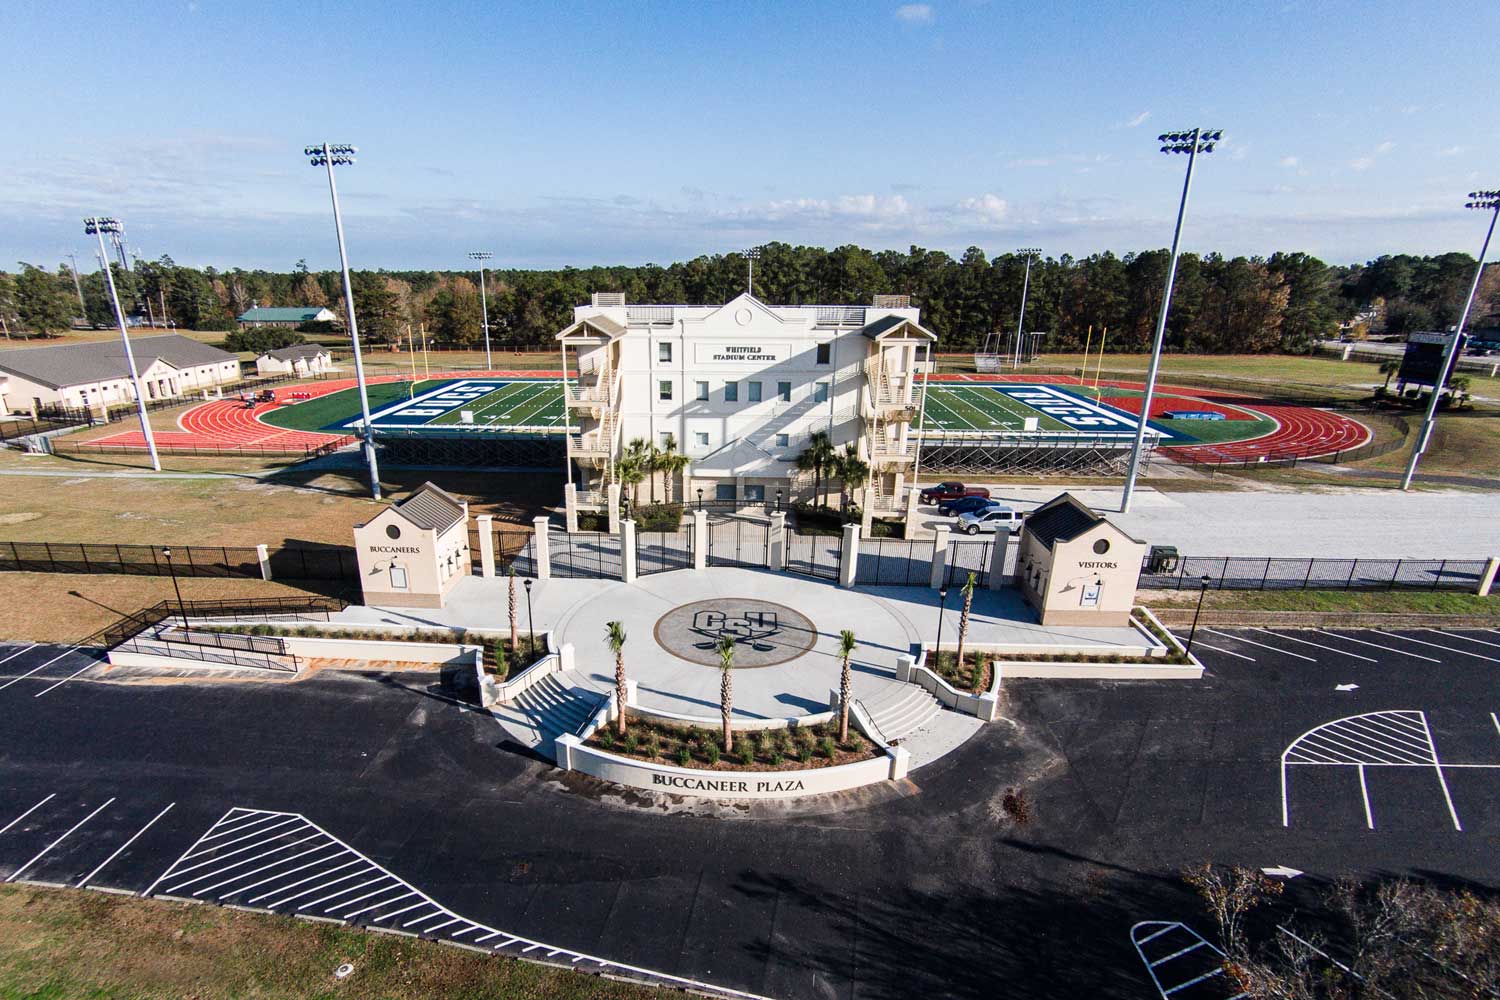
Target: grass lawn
<point>214,337</point>
<point>57,943</point>
<point>1264,367</point>
<point>1460,446</point>
<point>1435,602</point>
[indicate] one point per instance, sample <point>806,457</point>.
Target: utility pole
<point>77,285</point>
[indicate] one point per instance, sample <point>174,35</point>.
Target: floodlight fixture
<point>329,155</point>
<point>1488,201</point>
<point>484,304</point>
<point>96,226</point>
<point>751,256</point>
<point>1192,142</point>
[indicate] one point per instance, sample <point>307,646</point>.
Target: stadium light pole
<point>1031,254</point>
<point>338,155</point>
<point>1193,142</point>
<point>1484,201</point>
<point>97,226</point>
<point>484,304</point>
<point>751,256</point>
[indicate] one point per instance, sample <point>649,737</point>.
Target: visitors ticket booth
<point>1077,568</point>
<point>413,553</point>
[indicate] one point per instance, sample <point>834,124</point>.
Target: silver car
<point>997,518</point>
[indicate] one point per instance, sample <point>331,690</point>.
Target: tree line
<point>1281,303</point>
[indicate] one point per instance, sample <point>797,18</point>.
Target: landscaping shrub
<point>607,738</point>
<point>659,517</point>
<point>745,752</point>
<point>804,752</point>
<point>826,747</point>
<point>684,756</point>
<point>632,744</point>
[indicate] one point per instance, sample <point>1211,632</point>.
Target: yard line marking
<point>301,881</point>
<point>1376,645</point>
<point>119,850</point>
<point>18,652</point>
<point>246,861</point>
<point>15,874</point>
<point>1457,635</point>
<point>1331,649</point>
<point>1442,781</point>
<point>1423,642</point>
<point>1274,649</point>
<point>1364,791</point>
<point>1226,652</point>
<point>44,666</point>
<point>87,666</point>
<point>30,811</point>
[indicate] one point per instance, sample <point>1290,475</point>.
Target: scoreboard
<point>1422,363</point>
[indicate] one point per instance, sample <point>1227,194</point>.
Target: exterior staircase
<point>556,704</point>
<point>900,716</point>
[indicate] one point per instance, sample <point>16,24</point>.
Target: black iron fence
<point>594,554</point>
<point>662,551</point>
<point>1271,573</point>
<point>737,542</point>
<point>967,556</point>
<point>299,562</point>
<point>287,562</point>
<point>303,452</point>
<point>814,555</point>
<point>259,608</point>
<point>894,562</point>
<point>12,428</point>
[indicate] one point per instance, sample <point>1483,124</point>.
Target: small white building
<point>413,553</point>
<point>94,375</point>
<point>1077,568</point>
<point>285,316</point>
<point>741,387</point>
<point>299,359</point>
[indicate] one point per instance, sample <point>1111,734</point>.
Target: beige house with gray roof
<point>415,551</point>
<point>94,375</point>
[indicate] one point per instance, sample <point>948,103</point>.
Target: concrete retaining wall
<point>984,706</point>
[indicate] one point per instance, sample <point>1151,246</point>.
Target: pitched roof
<point>100,360</point>
<point>594,325</point>
<point>431,508</point>
<point>1062,518</point>
<point>281,314</point>
<point>875,329</point>
<point>296,352</point>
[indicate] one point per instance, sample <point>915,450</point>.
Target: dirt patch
<point>19,517</point>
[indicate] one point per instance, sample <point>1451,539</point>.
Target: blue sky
<point>651,131</point>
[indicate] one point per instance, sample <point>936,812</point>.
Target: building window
<point>756,493</point>
<point>782,440</point>
<point>703,392</point>
<point>825,354</point>
<point>754,391</point>
<point>724,491</point>
<point>820,392</point>
<point>666,439</point>
<point>702,438</point>
<point>731,392</point>
<point>398,578</point>
<point>784,390</point>
<point>664,390</point>
<point>664,352</point>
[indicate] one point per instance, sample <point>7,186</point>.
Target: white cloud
<point>1288,161</point>
<point>1363,163</point>
<point>1139,119</point>
<point>1384,147</point>
<point>914,13</point>
<point>1451,151</point>
<point>987,209</point>
<point>1034,161</point>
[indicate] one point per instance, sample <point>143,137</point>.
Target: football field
<point>1006,407</point>
<point>478,403</point>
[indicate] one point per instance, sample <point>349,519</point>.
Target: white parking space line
<point>1364,791</point>
<point>1424,642</point>
<point>16,874</point>
<point>1465,638</point>
<point>28,812</point>
<point>18,652</point>
<point>153,885</point>
<point>44,666</point>
<point>1252,642</point>
<point>1376,645</point>
<point>1226,652</point>
<point>1493,718</point>
<point>121,849</point>
<point>1319,645</point>
<point>1438,767</point>
<point>87,666</point>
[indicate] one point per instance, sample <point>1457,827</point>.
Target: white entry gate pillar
<point>539,549</point>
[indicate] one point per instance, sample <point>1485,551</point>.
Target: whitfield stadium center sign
<point>1079,414</point>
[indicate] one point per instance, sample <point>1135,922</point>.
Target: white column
<point>905,663</point>
<point>776,547</point>
<point>540,549</point>
<point>1485,582</point>
<point>613,495</point>
<point>911,508</point>
<point>939,556</point>
<point>997,559</point>
<point>900,762</point>
<point>570,506</point>
<point>867,511</point>
<point>627,550</point>
<point>485,523</point>
<point>264,558</point>
<point>849,558</point>
<point>566,657</point>
<point>700,539</point>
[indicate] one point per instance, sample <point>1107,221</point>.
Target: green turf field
<point>519,404</point>
<point>975,408</point>
<point>515,404</point>
<point>337,407</point>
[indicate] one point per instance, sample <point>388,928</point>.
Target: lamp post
<point>778,499</point>
<point>700,498</point>
<point>1031,254</point>
<point>484,304</point>
<point>1484,201</point>
<point>330,156</point>
<point>1192,143</point>
<point>97,226</point>
<point>530,625</point>
<point>937,651</point>
<point>751,256</point>
<point>1203,583</point>
<point>166,552</point>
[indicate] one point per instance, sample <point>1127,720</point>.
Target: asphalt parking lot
<point>929,888</point>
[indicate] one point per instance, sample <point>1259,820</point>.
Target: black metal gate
<point>584,554</point>
<point>662,551</point>
<point>969,556</point>
<point>733,541</point>
<point>814,555</point>
<point>894,562</point>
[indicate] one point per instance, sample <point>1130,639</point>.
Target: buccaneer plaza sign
<point>1077,413</point>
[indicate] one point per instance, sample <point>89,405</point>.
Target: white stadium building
<point>741,387</point>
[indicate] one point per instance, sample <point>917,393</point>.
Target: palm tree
<point>651,462</point>
<point>632,467</point>
<point>846,685</point>
<point>853,472</point>
<point>963,626</point>
<point>725,648</point>
<point>818,456</point>
<point>672,462</point>
<point>515,648</point>
<point>1388,368</point>
<point>614,636</point>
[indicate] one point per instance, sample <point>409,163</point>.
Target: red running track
<point>228,425</point>
<point>1301,431</point>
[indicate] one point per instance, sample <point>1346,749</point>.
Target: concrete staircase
<point>557,704</point>
<point>910,710</point>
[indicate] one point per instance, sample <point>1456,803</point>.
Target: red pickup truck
<point>951,491</point>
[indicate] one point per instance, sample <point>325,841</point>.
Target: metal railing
<point>1273,573</point>
<point>839,316</point>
